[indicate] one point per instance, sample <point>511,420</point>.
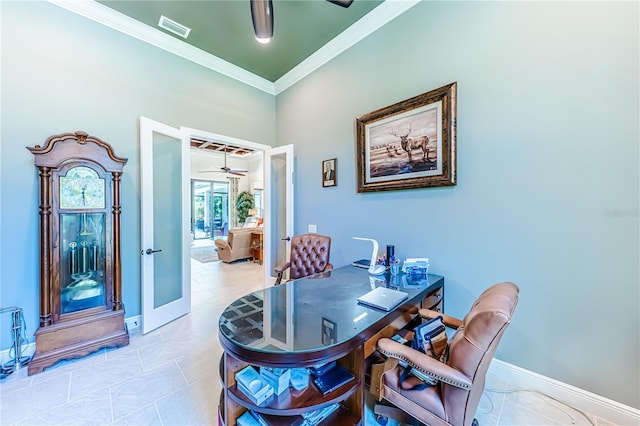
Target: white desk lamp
<point>374,269</point>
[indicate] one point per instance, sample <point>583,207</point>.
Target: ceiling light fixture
<point>343,3</point>
<point>262,17</point>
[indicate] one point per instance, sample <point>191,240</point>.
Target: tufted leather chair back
<point>309,255</point>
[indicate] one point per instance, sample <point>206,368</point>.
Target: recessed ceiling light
<point>174,27</point>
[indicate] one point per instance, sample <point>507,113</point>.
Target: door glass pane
<point>167,233</point>
<point>201,201</point>
<point>257,198</point>
<point>220,209</point>
<point>278,208</point>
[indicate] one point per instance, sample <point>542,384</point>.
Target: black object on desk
<point>362,263</point>
<point>333,379</point>
<point>391,253</point>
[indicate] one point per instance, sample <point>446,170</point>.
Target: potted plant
<point>244,203</point>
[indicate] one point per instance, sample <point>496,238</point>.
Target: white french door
<point>165,223</point>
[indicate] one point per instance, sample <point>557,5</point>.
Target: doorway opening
<point>209,209</point>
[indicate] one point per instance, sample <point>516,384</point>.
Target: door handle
<point>149,251</point>
<point>286,239</point>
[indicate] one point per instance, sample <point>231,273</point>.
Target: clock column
<point>117,270</point>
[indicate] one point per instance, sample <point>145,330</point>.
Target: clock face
<point>82,188</point>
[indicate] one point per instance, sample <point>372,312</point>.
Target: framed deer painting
<point>411,144</point>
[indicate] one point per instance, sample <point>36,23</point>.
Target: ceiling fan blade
<point>262,17</point>
<point>225,169</point>
<point>343,3</point>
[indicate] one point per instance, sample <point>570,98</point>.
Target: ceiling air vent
<point>173,26</point>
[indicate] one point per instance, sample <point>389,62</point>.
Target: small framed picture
<point>329,172</point>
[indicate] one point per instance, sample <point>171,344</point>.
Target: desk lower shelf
<point>292,402</point>
<point>341,417</point>
<point>288,407</point>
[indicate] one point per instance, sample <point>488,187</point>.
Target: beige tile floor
<point>170,377</point>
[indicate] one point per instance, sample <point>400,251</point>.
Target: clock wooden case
<point>81,308</point>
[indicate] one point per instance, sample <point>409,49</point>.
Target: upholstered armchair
<point>461,380</point>
<point>237,246</point>
<point>309,256</point>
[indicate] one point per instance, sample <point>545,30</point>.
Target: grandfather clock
<point>81,307</point>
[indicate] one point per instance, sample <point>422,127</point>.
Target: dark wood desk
<point>282,327</point>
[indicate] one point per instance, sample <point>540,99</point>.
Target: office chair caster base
<point>382,420</point>
<point>385,412</point>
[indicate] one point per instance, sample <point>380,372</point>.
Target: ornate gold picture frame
<point>411,144</point>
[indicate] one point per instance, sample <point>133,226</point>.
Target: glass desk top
<point>314,314</point>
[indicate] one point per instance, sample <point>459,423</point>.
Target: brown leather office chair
<point>454,400</point>
<point>309,256</point>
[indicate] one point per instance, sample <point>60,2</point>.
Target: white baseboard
<point>594,404</point>
<point>133,323</point>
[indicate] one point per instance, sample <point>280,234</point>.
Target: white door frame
<point>152,316</point>
<point>265,149</point>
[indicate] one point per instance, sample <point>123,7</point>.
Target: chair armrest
<point>222,244</point>
<point>281,268</point>
<point>424,363</point>
<point>449,321</point>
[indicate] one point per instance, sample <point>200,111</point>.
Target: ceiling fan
<point>225,169</point>
<point>262,17</point>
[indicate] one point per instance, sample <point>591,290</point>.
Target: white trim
<point>591,403</point>
<point>384,13</point>
<point>133,323</point>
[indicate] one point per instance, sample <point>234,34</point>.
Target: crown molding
<point>369,23</point>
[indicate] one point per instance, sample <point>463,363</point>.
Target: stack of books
<point>250,383</point>
<point>251,418</point>
<point>320,369</point>
<point>312,418</point>
<point>333,379</point>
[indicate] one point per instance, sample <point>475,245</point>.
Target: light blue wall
<point>548,181</point>
<point>62,73</point>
